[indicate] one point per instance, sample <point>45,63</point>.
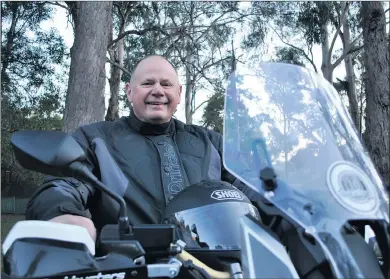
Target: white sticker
<point>352,188</point>
<point>226,195</point>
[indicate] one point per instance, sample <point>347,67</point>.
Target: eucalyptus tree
<point>87,78</point>
<point>376,61</point>
<point>301,26</point>
<point>32,91</point>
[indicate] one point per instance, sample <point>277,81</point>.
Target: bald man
<point>147,158</point>
<point>154,90</point>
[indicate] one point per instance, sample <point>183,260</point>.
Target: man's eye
<point>147,83</point>
<point>166,84</point>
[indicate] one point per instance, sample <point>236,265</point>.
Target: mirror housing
<point>59,154</point>
<point>48,152</point>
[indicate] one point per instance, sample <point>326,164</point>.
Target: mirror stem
<point>81,172</point>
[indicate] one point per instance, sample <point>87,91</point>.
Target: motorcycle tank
<point>207,215</point>
<point>292,120</point>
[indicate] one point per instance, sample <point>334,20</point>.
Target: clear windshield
<point>288,118</point>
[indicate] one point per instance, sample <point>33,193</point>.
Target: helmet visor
<point>214,226</point>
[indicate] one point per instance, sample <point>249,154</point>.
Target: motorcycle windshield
<point>292,120</point>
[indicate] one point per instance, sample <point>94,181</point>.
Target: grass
<point>7,222</point>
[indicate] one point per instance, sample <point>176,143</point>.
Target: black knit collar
<point>148,129</point>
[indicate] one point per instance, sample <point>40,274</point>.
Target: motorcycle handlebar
<point>184,256</point>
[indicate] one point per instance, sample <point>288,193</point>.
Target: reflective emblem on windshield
<point>352,188</point>
<point>226,195</point>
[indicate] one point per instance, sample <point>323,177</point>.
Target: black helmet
<point>207,215</point>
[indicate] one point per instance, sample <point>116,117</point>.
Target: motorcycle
<point>317,202</point>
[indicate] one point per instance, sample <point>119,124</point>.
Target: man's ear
<point>180,90</point>
<point>128,92</point>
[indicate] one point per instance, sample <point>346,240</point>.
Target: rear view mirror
<point>48,152</point>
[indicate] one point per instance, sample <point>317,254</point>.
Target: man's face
<point>154,90</point>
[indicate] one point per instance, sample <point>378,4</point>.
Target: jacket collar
<point>147,129</point>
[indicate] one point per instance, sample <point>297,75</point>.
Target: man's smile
<point>157,103</point>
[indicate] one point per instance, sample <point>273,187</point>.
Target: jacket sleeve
<point>63,195</point>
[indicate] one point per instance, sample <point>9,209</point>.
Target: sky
<point>60,22</point>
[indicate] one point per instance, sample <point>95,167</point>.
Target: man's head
<point>154,90</point>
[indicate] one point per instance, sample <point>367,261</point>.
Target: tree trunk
<point>10,41</point>
<point>350,75</point>
<point>326,66</point>
<point>362,102</point>
<point>189,84</point>
<point>87,78</point>
<point>188,94</point>
<point>116,55</point>
<point>376,60</point>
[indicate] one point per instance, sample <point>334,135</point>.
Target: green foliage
<point>261,12</point>
<point>353,17</point>
<point>213,113</point>
<point>28,53</point>
<point>289,55</point>
<point>15,118</point>
<point>33,82</point>
<point>311,16</point>
<point>179,23</point>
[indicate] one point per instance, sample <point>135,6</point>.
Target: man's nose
<point>157,90</point>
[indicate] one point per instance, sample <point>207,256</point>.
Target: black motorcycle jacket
<point>145,164</point>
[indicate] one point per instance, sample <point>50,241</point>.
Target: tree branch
<point>349,51</point>
<point>215,63</point>
<point>342,37</point>
<point>173,19</point>
<point>311,52</point>
<point>218,24</point>
<point>116,4</point>
<point>163,30</point>
<point>209,81</point>
<point>120,14</point>
<point>212,24</point>
<point>297,48</point>
<point>341,22</point>
<point>59,5</point>
<point>335,23</point>
<point>174,45</point>
<point>140,33</point>
<point>197,69</point>
<point>356,53</point>
<point>201,104</point>
<point>21,28</point>
<point>119,66</point>
<point>229,21</point>
<point>356,40</point>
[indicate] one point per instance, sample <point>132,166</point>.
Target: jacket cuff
<point>57,211</point>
